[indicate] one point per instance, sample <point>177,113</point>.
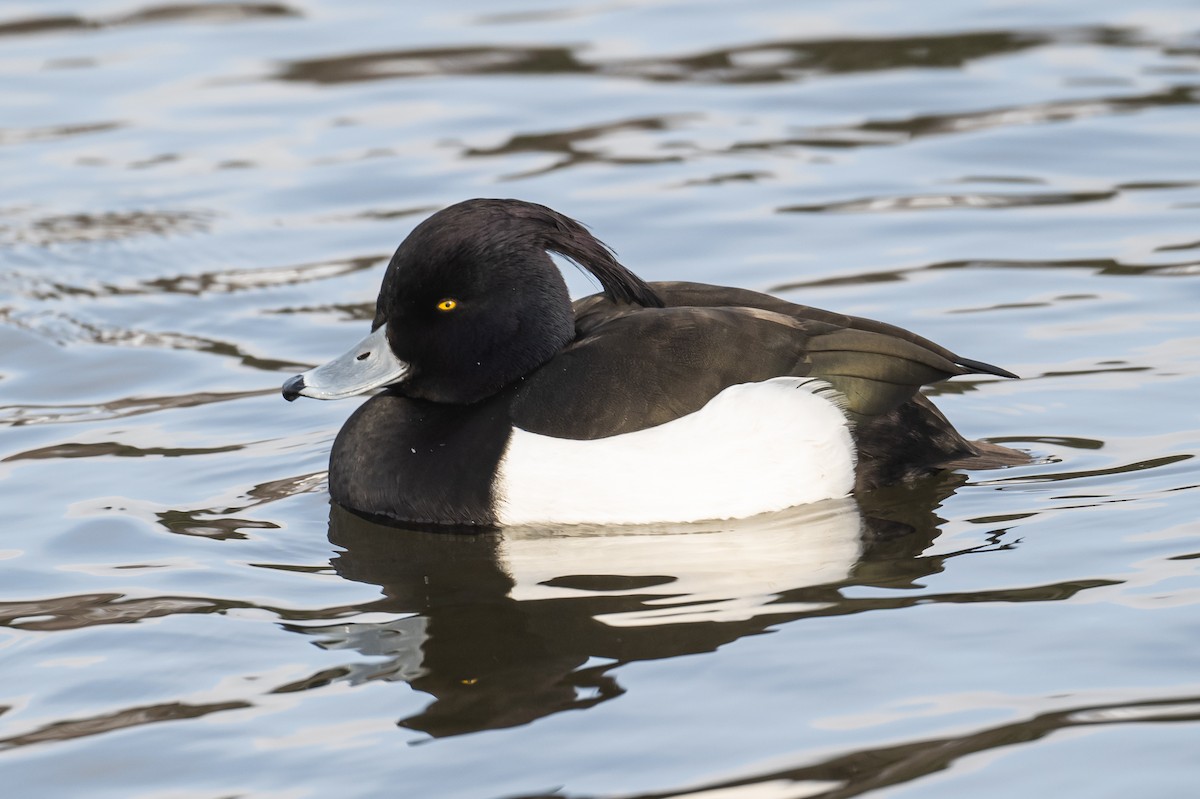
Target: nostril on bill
<point>362,356</point>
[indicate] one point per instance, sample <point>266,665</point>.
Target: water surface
<point>199,200</point>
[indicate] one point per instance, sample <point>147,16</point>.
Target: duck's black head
<point>471,301</point>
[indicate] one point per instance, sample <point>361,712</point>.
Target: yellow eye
<point>447,305</point>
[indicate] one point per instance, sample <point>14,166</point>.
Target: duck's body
<point>507,404</point>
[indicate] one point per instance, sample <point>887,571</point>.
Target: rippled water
<point>199,200</point>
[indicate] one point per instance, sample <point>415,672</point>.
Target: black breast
<point>417,461</point>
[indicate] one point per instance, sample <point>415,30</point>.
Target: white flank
<point>754,448</point>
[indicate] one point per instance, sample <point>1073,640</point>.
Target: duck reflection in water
<point>515,625</point>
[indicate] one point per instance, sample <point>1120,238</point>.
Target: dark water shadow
<point>179,13</point>
<point>517,625</point>
<point>504,628</point>
<point>105,226</point>
<point>570,146</point>
<point>760,62</point>
<point>120,720</point>
<point>937,202</point>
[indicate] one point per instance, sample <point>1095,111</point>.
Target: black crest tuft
<point>563,235</point>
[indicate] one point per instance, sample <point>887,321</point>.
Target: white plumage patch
<point>754,448</point>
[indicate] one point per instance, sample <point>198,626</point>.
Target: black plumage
<point>516,352</point>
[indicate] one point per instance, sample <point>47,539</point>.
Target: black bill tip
<point>292,387</point>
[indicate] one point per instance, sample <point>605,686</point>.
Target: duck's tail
<point>981,368</point>
<point>914,440</point>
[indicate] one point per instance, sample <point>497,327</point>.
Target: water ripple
<point>869,770</point>
<point>1099,266</point>
<point>104,226</point>
<point>766,62</point>
<point>119,720</point>
<point>175,12</point>
<point>17,415</point>
<point>64,329</point>
<point>935,202</point>
<point>26,135</point>
<point>391,64</point>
